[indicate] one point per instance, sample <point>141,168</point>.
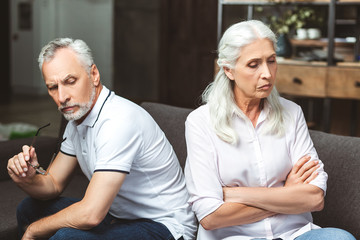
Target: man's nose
<point>63,95</point>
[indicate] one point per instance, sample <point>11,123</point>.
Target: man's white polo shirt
<point>119,135</point>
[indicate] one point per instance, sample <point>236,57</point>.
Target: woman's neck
<point>251,109</point>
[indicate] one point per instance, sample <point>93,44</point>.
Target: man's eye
<point>71,81</point>
<point>52,88</point>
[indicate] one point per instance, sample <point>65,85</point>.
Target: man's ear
<point>95,74</point>
<point>228,73</point>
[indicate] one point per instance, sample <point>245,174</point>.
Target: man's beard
<point>84,108</point>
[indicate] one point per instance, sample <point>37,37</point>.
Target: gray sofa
<point>340,154</point>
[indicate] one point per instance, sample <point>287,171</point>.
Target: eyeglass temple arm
<point>37,133</point>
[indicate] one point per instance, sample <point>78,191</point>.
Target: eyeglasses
<point>37,167</point>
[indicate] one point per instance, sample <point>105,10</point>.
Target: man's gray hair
<point>219,94</point>
<point>81,49</point>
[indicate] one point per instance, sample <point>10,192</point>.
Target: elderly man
<point>137,188</point>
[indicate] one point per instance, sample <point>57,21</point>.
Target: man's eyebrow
<point>67,78</point>
<point>62,80</point>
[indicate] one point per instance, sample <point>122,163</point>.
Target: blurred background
<point>150,50</point>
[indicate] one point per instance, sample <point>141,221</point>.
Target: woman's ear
<point>228,73</point>
<point>95,75</point>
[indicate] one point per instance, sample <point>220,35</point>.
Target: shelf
<point>348,2</point>
<point>319,43</point>
<point>345,21</point>
<point>288,61</point>
<point>348,64</point>
<point>260,2</point>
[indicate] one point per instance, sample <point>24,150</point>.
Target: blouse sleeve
<point>201,171</point>
<point>303,145</point>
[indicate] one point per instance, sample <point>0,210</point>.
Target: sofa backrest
<point>340,154</point>
<point>341,157</point>
<point>171,120</point>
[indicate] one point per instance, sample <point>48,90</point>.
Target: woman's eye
<point>253,65</point>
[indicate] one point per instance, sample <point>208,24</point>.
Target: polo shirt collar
<point>93,116</point>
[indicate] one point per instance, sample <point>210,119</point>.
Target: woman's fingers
<point>304,171</point>
<point>312,177</point>
<point>309,168</point>
<point>299,164</point>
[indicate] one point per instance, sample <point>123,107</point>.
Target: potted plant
<point>291,19</point>
<point>285,21</point>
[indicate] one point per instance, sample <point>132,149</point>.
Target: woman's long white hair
<point>219,94</point>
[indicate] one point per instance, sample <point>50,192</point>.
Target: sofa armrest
<point>45,148</point>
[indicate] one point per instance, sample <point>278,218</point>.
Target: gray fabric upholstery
<point>340,154</point>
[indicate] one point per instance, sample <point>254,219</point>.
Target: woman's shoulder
<point>199,114</point>
<point>289,105</point>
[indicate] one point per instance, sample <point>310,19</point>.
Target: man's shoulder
<point>117,105</point>
<point>121,111</point>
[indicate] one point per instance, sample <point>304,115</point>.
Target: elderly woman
<point>252,170</point>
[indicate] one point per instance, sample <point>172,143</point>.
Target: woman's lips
<point>266,86</point>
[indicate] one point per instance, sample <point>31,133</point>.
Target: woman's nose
<point>266,73</point>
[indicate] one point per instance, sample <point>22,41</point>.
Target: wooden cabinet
<point>343,83</point>
<point>319,81</point>
<point>304,80</point>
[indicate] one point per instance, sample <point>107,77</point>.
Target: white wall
<point>90,20</point>
<point>22,53</point>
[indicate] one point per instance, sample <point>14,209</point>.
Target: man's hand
<point>304,171</point>
<point>19,167</point>
<point>27,235</point>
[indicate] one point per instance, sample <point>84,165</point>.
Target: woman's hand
<point>304,171</point>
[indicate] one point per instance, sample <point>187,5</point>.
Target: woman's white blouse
<point>257,160</point>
